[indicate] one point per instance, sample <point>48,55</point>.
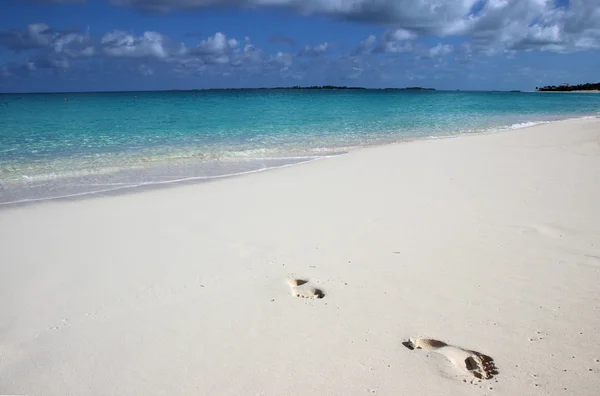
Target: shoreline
<point>488,243</point>
<point>309,157</point>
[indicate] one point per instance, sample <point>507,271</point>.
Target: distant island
<point>344,87</point>
<point>567,88</point>
<point>409,89</point>
<point>194,90</point>
<point>315,87</point>
<point>272,88</point>
<point>320,87</point>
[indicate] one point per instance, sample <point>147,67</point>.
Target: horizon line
<point>310,87</point>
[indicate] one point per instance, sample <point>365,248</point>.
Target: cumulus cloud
<point>47,48</point>
<point>421,15</point>
<point>395,41</point>
<point>214,55</point>
<point>41,36</point>
<point>492,26</point>
<point>215,49</point>
<point>474,27</point>
<point>392,41</point>
<point>495,26</point>
<point>283,59</point>
<point>366,46</point>
<point>317,50</point>
<point>36,35</point>
<point>73,45</point>
<point>215,45</point>
<point>504,26</point>
<point>119,43</point>
<point>440,50</point>
<point>250,57</point>
<point>399,35</point>
<point>146,54</point>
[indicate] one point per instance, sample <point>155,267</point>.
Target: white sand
<point>490,243</point>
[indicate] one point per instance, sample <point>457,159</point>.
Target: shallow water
<point>56,145</point>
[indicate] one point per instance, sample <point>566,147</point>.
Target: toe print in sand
<point>302,288</point>
<point>468,362</point>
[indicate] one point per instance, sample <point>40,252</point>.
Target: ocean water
<point>61,145</point>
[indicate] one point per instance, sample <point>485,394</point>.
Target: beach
<point>53,148</point>
<point>489,243</point>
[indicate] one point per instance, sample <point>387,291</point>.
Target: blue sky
<point>93,45</point>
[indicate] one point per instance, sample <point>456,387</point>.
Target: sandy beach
<point>488,243</point>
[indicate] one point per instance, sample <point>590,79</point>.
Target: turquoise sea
<point>61,145</point>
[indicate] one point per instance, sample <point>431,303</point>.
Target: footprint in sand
<point>469,362</point>
<point>301,288</point>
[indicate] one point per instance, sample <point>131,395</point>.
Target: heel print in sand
<point>301,288</point>
<point>475,363</point>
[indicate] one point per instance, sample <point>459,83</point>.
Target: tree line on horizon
<point>566,88</point>
<point>317,87</point>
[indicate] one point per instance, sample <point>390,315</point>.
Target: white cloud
<point>283,59</point>
<point>120,43</point>
<point>215,45</point>
<point>395,41</point>
<point>73,44</point>
<point>40,33</point>
<point>495,26</point>
<point>527,25</point>
<point>395,47</point>
<point>391,41</point>
<point>216,49</point>
<point>53,48</point>
<point>37,35</point>
<point>316,50</point>
<point>419,15</point>
<point>440,50</point>
<point>474,27</point>
<point>233,43</point>
<point>250,57</point>
<point>62,43</point>
<point>400,35</point>
<point>217,55</point>
<point>88,51</point>
<point>42,36</point>
<point>366,46</point>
